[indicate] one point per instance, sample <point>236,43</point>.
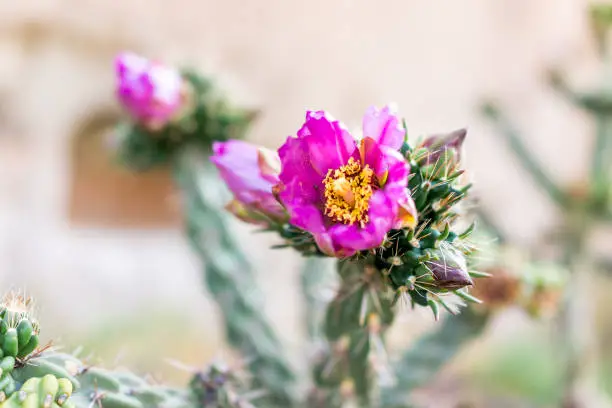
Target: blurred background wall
<point>101,247</point>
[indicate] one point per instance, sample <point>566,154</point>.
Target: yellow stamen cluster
<point>347,193</point>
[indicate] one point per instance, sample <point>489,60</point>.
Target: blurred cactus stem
<point>524,155</point>
<point>230,279</point>
<point>355,323</point>
<point>420,364</point>
<point>597,102</point>
<point>175,121</point>
<point>52,379</point>
<point>316,277</point>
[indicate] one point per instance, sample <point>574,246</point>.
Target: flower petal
<point>238,164</point>
<point>384,126</point>
<point>381,218</point>
<point>269,164</point>
<point>150,92</point>
<point>328,142</point>
<point>390,167</point>
<point>407,216</point>
<point>325,244</point>
<point>295,162</point>
<point>307,217</point>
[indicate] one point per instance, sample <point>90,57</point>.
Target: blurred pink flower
<point>150,92</point>
<point>250,172</point>
<point>347,194</point>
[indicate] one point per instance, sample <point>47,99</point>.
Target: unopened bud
<point>449,268</point>
<point>444,149</point>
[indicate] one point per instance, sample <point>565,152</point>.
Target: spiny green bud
<point>18,329</point>
<point>10,344</point>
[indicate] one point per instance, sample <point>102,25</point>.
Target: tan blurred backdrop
<point>96,244</point>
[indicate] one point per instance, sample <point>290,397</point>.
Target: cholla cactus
<point>175,121</point>
<point>169,110</point>
<point>384,207</point>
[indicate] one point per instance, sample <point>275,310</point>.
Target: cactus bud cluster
<point>431,260</point>
<point>199,116</point>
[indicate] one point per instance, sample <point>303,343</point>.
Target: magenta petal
<point>238,164</point>
<point>299,192</point>
<point>389,166</point>
<point>381,214</point>
<point>398,170</point>
<point>295,162</point>
<point>329,143</point>
<point>325,244</point>
<point>307,217</point>
<point>150,92</point>
<point>384,126</point>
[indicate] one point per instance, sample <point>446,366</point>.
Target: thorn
<point>467,297</point>
<point>434,308</point>
<point>479,274</point>
<point>448,308</point>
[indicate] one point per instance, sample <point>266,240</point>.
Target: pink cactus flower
<point>150,92</point>
<point>348,194</point>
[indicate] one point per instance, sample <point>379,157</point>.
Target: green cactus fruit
<point>7,385</point>
<point>64,391</point>
<point>29,347</point>
<point>41,392</point>
<point>18,329</point>
<point>25,330</point>
<point>10,344</point>
<point>7,364</point>
<point>47,390</point>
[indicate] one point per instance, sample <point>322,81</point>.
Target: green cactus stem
<point>355,324</point>
<point>230,280</point>
<point>186,143</point>
<point>599,104</point>
<point>422,361</point>
<point>525,156</point>
<point>315,278</point>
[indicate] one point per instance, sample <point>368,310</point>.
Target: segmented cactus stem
<point>525,156</point>
<point>423,360</point>
<point>355,323</point>
<point>230,280</point>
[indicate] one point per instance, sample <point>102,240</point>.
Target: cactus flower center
<point>347,192</point>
